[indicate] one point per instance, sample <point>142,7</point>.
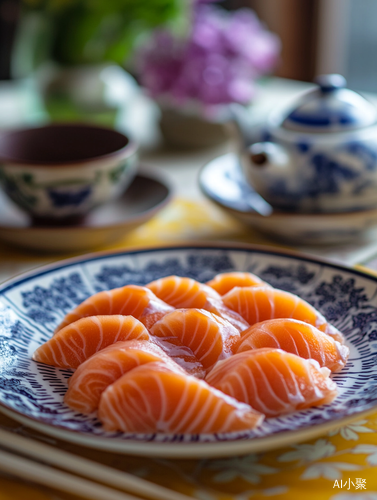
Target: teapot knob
<point>330,83</point>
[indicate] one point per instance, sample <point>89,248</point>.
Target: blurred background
<point>189,80</point>
<point>318,36</point>
<point>85,58</point>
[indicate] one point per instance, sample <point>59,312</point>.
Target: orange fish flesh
<point>188,293</point>
<point>130,300</point>
<point>95,374</point>
<point>224,282</point>
<point>258,303</point>
<point>297,337</point>
<point>273,381</point>
<point>75,343</point>
<point>208,336</point>
<point>156,398</point>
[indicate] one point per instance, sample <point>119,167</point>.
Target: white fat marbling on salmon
<point>132,300</point>
<point>272,381</point>
<point>103,368</point>
<point>224,282</point>
<point>182,292</point>
<point>157,398</point>
<point>209,336</point>
<point>296,337</point>
<point>259,303</point>
<point>188,293</point>
<point>76,342</point>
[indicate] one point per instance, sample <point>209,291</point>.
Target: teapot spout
<point>267,154</point>
<point>263,162</point>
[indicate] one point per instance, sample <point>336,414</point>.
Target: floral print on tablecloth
<point>338,466</point>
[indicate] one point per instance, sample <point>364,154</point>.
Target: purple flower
<point>216,64</point>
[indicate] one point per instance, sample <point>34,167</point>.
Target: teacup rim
<point>131,147</point>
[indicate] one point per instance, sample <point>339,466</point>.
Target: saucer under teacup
<point>60,172</point>
<point>104,225</point>
<point>223,182</point>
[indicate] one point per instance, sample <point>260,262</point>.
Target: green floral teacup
<point>62,171</point>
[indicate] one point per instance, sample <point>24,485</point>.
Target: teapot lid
<point>330,108</point>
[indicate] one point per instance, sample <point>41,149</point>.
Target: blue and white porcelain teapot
<point>321,156</point>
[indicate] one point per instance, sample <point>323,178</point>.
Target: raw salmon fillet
<point>297,337</point>
<point>273,381</point>
<point>182,292</point>
<point>75,343</point>
<point>131,300</point>
<point>95,374</point>
<point>156,398</point>
<point>256,304</point>
<point>224,282</point>
<point>188,293</point>
<point>208,336</point>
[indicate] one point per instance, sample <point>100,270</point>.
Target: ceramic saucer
<point>104,225</point>
<point>222,181</point>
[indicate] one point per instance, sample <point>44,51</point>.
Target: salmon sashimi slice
<point>224,282</point>
<point>75,343</point>
<point>273,381</point>
<point>297,337</point>
<point>256,304</point>
<point>130,300</point>
<point>208,336</point>
<point>181,354</point>
<point>156,398</point>
<point>188,293</point>
<point>182,292</point>
<point>95,374</point>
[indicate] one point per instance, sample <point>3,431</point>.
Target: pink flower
<point>216,64</point>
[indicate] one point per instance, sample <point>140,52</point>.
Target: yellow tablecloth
<point>338,466</point>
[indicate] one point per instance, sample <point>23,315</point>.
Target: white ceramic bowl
<point>61,171</point>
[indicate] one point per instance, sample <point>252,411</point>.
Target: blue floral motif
<point>68,198</point>
<point>201,268</point>
<point>328,175</point>
<point>280,190</point>
<point>339,297</point>
<point>43,304</point>
<point>7,354</point>
<point>287,278</point>
<point>303,146</point>
<point>116,276</point>
<point>373,335</point>
<point>365,320</point>
<point>367,154</point>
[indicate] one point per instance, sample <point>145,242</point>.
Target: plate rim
<point>185,450</point>
<point>64,262</point>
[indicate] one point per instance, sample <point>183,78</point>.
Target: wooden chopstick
<point>87,468</point>
<point>58,480</point>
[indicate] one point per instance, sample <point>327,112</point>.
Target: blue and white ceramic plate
<point>33,304</point>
